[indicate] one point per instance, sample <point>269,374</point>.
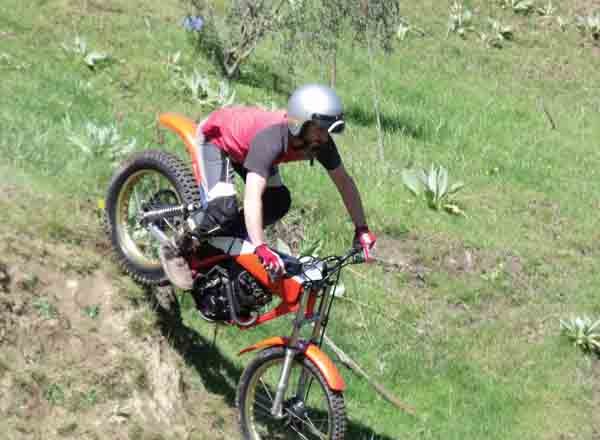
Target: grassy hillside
<point>462,321</point>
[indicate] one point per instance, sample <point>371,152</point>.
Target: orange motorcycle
<point>291,389</point>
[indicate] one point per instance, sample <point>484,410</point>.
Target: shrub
<point>589,25</point>
<point>460,20</point>
<point>435,187</point>
<point>98,141</point>
<point>198,88</point>
<point>583,332</point>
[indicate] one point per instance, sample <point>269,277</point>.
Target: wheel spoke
<point>266,389</point>
<point>313,429</point>
<point>168,223</point>
<point>313,426</point>
<point>266,402</point>
<point>299,433</point>
<point>264,407</point>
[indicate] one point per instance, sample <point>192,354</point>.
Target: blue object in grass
<point>193,23</point>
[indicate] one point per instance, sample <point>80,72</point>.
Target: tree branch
<point>352,365</point>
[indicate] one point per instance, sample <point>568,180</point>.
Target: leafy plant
<point>548,10</point>
<point>78,46</point>
<point>460,20</point>
<point>589,25</point>
<point>173,62</point>
<point>92,311</point>
<point>8,61</point>
<point>30,282</point>
<point>435,186</point>
<point>99,141</point>
<point>199,88</point>
<point>583,332</point>
<point>405,28</point>
<point>562,23</point>
<point>54,394</point>
<point>45,309</point>
<point>498,35</point>
<point>519,6</point>
<point>80,49</point>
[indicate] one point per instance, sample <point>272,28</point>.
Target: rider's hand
<point>270,260</point>
<point>365,239</point>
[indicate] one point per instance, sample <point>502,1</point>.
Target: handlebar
<point>294,266</point>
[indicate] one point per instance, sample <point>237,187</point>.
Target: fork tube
<point>299,320</point>
<point>316,334</point>
<point>290,353</point>
<point>276,410</point>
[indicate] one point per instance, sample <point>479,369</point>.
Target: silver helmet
<point>314,102</point>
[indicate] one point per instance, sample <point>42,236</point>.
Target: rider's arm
<point>264,149</point>
<point>350,195</point>
<point>253,209</point>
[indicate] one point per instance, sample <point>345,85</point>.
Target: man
<point>253,142</point>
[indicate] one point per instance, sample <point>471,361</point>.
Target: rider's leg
<point>276,198</point>
<point>220,212</point>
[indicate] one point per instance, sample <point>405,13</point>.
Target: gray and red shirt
<point>258,139</point>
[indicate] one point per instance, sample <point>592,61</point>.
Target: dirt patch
<point>421,256</point>
<point>291,230</point>
<point>70,366</point>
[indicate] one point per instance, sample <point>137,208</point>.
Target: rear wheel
<point>311,410</point>
<point>149,180</point>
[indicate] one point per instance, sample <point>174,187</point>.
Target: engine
<point>211,298</point>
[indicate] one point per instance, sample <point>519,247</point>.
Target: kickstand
<point>215,332</point>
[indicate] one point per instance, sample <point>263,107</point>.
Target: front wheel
<point>149,180</point>
<point>311,410</point>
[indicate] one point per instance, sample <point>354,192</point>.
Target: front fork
<point>277,408</point>
<point>291,351</point>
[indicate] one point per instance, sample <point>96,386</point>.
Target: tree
<point>231,38</point>
<point>380,20</point>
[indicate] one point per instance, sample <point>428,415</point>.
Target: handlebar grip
<point>359,256</point>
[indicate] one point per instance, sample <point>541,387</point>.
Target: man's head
<point>315,111</point>
<point>313,135</point>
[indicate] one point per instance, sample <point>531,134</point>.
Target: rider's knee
<point>277,201</point>
<point>224,208</point>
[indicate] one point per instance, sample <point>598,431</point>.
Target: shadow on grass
<point>262,76</point>
<point>364,116</point>
<point>218,374</point>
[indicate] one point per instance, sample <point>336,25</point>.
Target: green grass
<point>478,352</point>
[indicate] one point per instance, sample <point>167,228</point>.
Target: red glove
<point>270,259</point>
<point>366,239</point>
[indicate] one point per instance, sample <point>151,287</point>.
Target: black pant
<point>220,199</point>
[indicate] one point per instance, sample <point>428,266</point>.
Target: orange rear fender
<point>325,365</point>
<point>186,129</point>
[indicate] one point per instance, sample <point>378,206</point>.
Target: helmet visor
<point>333,124</point>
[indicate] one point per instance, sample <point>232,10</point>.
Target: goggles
<point>333,124</point>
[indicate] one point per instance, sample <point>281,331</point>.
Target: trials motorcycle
<point>291,389</point>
